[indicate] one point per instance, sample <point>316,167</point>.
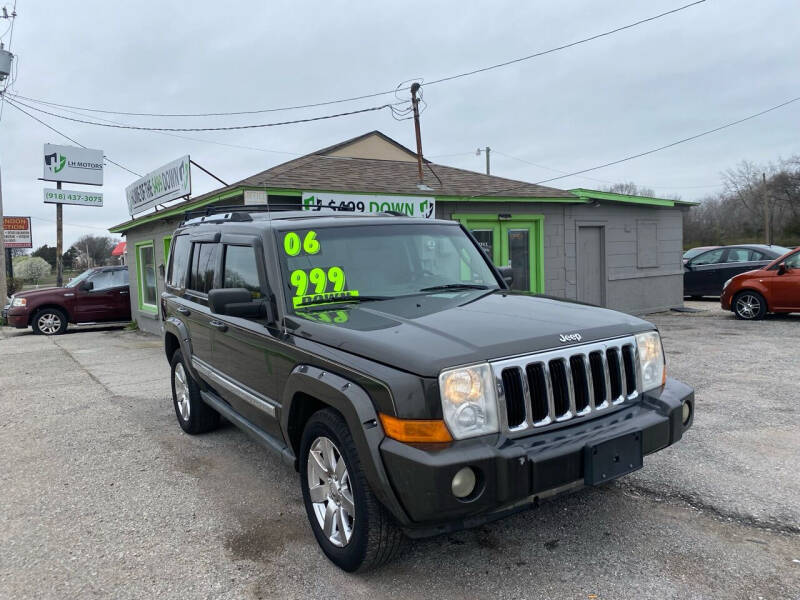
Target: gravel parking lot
<point>102,494</point>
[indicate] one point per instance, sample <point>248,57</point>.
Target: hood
<point>51,291</point>
<point>425,334</point>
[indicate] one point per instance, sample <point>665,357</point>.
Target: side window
<point>738,255</point>
<point>241,270</point>
<point>708,258</point>
<point>119,278</point>
<point>793,261</point>
<point>756,255</point>
<point>179,262</point>
<point>204,262</point>
<point>102,280</point>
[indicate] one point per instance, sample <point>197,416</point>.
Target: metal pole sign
<point>69,164</point>
<point>166,183</point>
<point>76,197</point>
<point>18,232</point>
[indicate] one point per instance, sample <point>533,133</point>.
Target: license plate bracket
<point>610,459</point>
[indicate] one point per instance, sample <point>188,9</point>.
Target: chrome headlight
<point>469,401</point>
<point>651,360</point>
<point>19,301</point>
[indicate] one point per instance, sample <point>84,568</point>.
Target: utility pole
<point>59,242</point>
<point>767,212</point>
<point>415,104</point>
<point>487,150</point>
<point>3,282</point>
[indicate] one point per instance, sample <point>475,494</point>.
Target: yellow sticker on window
<point>324,298</point>
<point>292,244</point>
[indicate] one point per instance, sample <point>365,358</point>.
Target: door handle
<point>184,311</point>
<point>123,293</point>
<point>219,325</point>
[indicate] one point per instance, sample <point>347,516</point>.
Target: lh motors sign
<point>69,164</point>
<point>166,183</point>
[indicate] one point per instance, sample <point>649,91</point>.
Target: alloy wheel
<point>182,392</point>
<point>49,323</point>
<point>748,306</point>
<point>330,491</point>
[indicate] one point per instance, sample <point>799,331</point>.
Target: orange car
<point>774,288</point>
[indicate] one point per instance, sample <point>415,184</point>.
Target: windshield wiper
<point>455,286</point>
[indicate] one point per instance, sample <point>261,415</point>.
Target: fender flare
<point>178,328</point>
<point>355,405</point>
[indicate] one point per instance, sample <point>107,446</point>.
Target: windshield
<point>79,278</point>
<point>376,262</point>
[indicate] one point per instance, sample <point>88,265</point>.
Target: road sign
<point>79,198</point>
<point>166,183</point>
<point>17,232</point>
<point>69,164</point>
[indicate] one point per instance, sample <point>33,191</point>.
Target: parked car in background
<point>692,252</point>
<point>705,274</point>
<point>775,288</point>
<point>97,295</point>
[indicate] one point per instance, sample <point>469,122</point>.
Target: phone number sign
<point>17,232</point>
<point>52,196</point>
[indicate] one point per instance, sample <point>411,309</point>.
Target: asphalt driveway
<point>102,494</point>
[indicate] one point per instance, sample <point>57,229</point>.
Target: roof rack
<point>241,213</point>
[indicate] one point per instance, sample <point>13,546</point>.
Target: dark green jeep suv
<point>386,359</point>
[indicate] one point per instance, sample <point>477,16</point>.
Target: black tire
<point>194,415</point>
<point>375,537</point>
<point>49,321</point>
<point>749,305</point>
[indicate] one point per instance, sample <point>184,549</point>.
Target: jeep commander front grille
<point>552,387</point>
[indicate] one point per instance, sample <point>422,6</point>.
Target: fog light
<point>687,412</point>
<point>463,483</point>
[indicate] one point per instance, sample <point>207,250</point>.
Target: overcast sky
<point>641,88</point>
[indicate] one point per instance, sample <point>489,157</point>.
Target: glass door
<point>513,240</point>
<point>516,253</point>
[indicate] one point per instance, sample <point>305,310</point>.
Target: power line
<point>653,150</point>
<point>565,46</point>
<point>375,94</point>
<point>64,135</point>
<point>226,128</point>
<point>673,187</point>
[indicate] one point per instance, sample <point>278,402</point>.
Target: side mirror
<point>782,269</point>
<point>238,302</point>
<point>507,273</point>
<point>87,286</point>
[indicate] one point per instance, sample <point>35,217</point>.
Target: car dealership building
<point>613,250</point>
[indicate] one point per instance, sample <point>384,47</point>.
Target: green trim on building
<point>500,250</point>
<point>151,308</point>
<point>176,210</point>
<point>588,195</point>
<point>575,200</point>
<point>167,243</point>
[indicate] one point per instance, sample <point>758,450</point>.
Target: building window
<point>146,273</point>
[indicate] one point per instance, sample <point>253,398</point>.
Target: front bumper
<point>17,317</point>
<point>513,473</point>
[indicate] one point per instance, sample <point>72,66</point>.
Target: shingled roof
<point>319,171</point>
